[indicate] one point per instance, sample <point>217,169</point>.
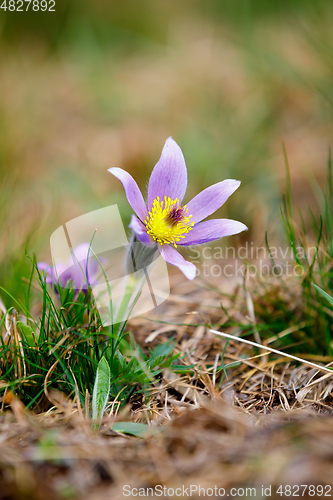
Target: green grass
<point>62,348</point>
<point>293,313</point>
<point>319,269</point>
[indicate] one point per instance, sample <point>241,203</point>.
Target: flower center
<point>168,221</point>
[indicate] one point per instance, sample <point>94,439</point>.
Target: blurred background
<point>101,84</point>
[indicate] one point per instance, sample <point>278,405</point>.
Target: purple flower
<point>168,223</point>
<point>76,274</point>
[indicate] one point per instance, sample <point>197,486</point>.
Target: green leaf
<point>28,333</point>
<point>101,391</point>
<point>324,294</point>
<point>133,428</point>
<point>181,368</point>
<point>163,349</point>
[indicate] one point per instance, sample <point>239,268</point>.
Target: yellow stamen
<point>168,222</point>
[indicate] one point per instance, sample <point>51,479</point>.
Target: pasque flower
<point>79,273</point>
<point>164,221</point>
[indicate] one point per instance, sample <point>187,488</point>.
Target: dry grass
<point>56,456</point>
<point>268,423</point>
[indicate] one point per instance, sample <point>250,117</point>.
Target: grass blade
<point>324,294</point>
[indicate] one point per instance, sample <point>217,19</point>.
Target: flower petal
<point>58,271</point>
<point>210,199</point>
<point>48,269</point>
<point>79,261</point>
<point>212,230</point>
<point>81,252</point>
<point>43,266</point>
<point>140,231</point>
<point>173,257</point>
<point>169,177</point>
<point>132,191</point>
